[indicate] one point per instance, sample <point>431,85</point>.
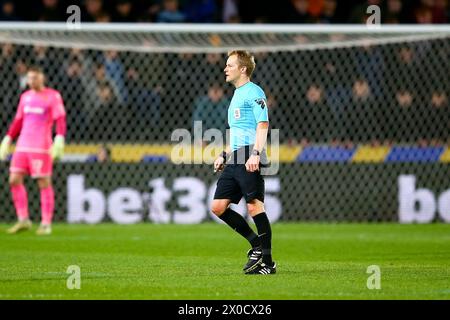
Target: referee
<point>249,121</point>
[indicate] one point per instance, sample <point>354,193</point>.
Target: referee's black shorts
<point>236,182</point>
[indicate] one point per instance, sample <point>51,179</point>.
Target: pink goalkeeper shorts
<point>35,164</point>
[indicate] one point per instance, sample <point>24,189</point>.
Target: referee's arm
<point>261,135</point>
<point>220,161</point>
<point>262,128</point>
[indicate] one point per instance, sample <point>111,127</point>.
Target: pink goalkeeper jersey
<point>38,110</point>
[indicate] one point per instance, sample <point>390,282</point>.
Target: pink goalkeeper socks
<point>20,199</point>
<point>47,204</point>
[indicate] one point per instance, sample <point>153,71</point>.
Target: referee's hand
<point>219,164</point>
<point>252,163</point>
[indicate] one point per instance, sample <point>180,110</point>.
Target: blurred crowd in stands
<point>228,11</point>
<point>371,94</point>
<point>386,93</point>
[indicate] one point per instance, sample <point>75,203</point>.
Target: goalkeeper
<point>38,109</point>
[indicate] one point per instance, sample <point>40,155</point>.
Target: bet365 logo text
<point>190,195</point>
<point>421,204</point>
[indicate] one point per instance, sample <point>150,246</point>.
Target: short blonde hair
<point>245,59</point>
<point>36,69</point>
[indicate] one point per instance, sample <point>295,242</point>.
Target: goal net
<point>362,117</point>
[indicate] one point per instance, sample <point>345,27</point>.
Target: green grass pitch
<point>147,261</point>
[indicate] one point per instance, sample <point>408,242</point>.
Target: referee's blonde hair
<point>245,59</point>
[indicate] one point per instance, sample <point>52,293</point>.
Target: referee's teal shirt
<point>248,107</point>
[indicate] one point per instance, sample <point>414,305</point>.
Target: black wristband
<point>224,155</point>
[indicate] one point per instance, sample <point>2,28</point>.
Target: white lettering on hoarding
<point>126,205</point>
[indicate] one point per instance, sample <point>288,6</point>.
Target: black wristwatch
<point>224,155</point>
<point>255,152</point>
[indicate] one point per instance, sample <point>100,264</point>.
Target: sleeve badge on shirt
<point>237,113</point>
<point>262,102</point>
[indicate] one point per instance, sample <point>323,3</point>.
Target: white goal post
<point>210,38</point>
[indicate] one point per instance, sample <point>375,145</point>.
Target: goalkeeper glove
<point>58,147</point>
<point>4,147</point>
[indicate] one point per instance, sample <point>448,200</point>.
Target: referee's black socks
<point>240,225</point>
<point>265,235</point>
